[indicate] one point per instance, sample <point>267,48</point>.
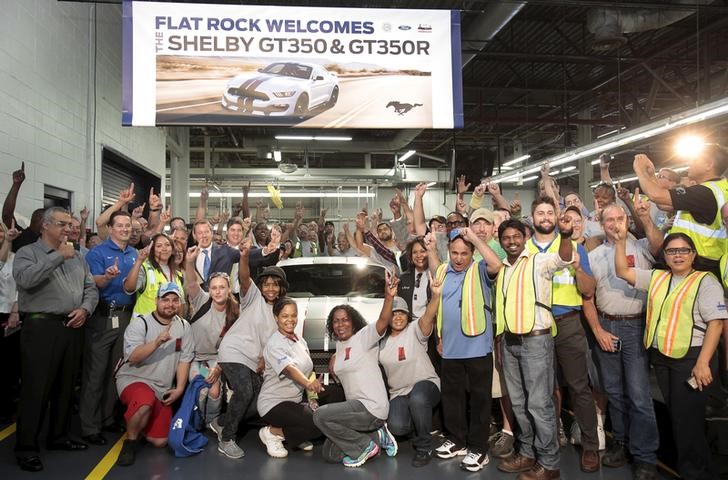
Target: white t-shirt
<point>8,289</point>
<point>357,366</point>
<point>245,340</point>
<point>405,361</point>
<point>280,352</point>
<point>207,328</point>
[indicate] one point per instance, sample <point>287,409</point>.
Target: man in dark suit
<point>212,258</point>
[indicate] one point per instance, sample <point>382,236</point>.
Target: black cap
<point>274,271</point>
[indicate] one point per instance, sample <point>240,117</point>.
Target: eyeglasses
<point>60,223</point>
<point>678,251</point>
<point>457,223</point>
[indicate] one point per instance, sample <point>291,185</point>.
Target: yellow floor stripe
<point>107,462</point>
<point>7,432</point>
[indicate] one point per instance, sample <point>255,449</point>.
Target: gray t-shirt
<point>245,340</point>
<point>158,370</point>
<point>405,360</point>
<point>615,296</point>
<point>709,304</point>
<point>280,352</point>
<point>207,328</point>
<point>357,366</point>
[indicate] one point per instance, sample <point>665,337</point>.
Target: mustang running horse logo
<point>402,108</point>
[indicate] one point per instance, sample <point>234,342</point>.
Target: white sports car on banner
<point>282,89</point>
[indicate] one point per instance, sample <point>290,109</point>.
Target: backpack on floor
<point>185,437</point>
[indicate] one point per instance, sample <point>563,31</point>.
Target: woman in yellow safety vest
<point>685,314</point>
<point>155,265</point>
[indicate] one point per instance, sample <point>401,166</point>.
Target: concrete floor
<point>161,464</point>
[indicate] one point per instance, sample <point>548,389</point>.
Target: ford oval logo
<point>405,27</point>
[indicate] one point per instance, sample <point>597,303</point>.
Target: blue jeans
<point>528,366</point>
<point>413,412</point>
<point>626,381</point>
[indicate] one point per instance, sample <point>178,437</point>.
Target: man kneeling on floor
<point>158,350</point>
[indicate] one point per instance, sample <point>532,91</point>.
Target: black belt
<point>532,333</point>
<point>105,308</point>
<point>48,316</point>
<point>573,313</point>
<point>638,316</point>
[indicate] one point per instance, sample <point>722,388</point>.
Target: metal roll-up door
<point>114,179</point>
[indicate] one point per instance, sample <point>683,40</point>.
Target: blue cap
<point>169,288</point>
<point>454,233</point>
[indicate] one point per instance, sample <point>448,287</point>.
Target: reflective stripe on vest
<point>516,301</point>
<point>723,272</point>
<point>564,290</point>
<point>670,313</point>
<point>711,241</point>
<point>146,301</point>
<point>474,311</point>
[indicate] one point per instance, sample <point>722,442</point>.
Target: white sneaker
<point>474,461</point>
<point>273,443</point>
<point>230,449</point>
<point>450,450</point>
<point>306,446</point>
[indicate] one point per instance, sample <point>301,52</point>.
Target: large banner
<point>201,64</point>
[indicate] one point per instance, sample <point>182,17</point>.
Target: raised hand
<point>515,205</point>
<point>143,254</point>
<point>545,170</point>
<point>204,194</point>
<point>435,285</point>
<point>127,195</point>
<point>391,281</point>
<point>421,189</point>
<point>462,187</point>
<point>12,232</point>
<point>166,215</point>
<point>192,254</point>
<point>155,203</point>
<point>138,212</point>
<point>84,213</point>
<point>112,271</point>
<point>622,193</point>
<point>19,175</point>
<point>643,163</point>
<point>300,211</point>
<point>493,188</point>
<point>565,226</point>
<point>480,190</point>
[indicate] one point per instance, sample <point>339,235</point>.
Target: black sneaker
<point>422,458</point>
<point>615,456</point>
<point>128,453</point>
<point>645,471</point>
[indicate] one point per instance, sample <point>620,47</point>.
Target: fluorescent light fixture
<point>516,160</point>
<point>285,195</point>
<point>554,172</point>
<point>689,146</point>
<point>688,117</point>
<point>321,138</point>
<point>407,155</point>
<point>568,169</point>
<point>528,179</point>
<point>431,184</point>
<point>277,155</point>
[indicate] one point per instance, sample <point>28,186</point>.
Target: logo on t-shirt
<point>178,345</point>
<point>630,261</point>
<point>401,355</point>
<point>347,353</point>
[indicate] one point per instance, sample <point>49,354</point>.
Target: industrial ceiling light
<point>286,195</point>
<point>320,138</point>
<point>407,155</point>
<point>277,155</point>
<point>516,160</point>
<point>689,117</point>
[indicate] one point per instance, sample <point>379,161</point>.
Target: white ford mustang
<point>282,89</point>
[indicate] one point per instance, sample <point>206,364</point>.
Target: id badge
<point>178,345</point>
<point>114,322</point>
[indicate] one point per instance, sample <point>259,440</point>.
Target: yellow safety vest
<point>711,240</point>
<point>297,251</point>
<point>670,313</point>
<point>146,301</point>
<point>475,310</point>
<point>564,291</point>
<point>515,302</point>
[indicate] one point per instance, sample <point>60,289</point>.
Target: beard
<point>544,230</point>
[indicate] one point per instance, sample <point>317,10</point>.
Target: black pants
<point>571,349</point>
<point>296,420</point>
<point>687,412</point>
<point>245,385</point>
<point>10,372</point>
<point>477,375</point>
<point>50,357</point>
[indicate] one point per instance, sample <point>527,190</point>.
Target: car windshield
<point>342,280</point>
<point>289,70</point>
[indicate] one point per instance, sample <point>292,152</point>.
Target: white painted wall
<point>56,110</point>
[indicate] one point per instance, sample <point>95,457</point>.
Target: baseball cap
<point>400,305</point>
<point>274,271</point>
<point>170,287</point>
<point>483,213</point>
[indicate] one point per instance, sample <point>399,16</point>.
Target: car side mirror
<point>319,77</point>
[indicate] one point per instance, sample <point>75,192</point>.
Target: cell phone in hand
<point>692,382</point>
<point>617,344</point>
<point>166,396</point>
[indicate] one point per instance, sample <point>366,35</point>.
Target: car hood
<point>313,312</point>
<point>264,81</point>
